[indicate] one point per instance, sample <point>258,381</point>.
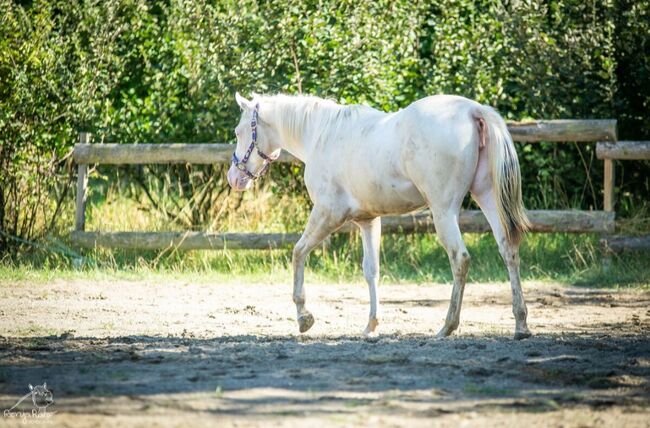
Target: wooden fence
<point>622,150</point>
<point>583,131</point>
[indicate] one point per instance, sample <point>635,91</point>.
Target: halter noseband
<point>241,164</point>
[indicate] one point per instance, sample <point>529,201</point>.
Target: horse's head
<point>41,396</point>
<point>257,146</point>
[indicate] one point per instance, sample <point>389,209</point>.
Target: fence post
<point>608,206</point>
<point>82,185</point>
<point>608,188</point>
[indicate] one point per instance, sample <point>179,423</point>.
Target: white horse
<point>361,164</point>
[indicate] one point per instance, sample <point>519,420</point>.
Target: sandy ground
<point>146,353</point>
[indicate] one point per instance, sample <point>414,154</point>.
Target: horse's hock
<point>602,132</point>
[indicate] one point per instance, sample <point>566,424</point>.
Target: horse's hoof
<point>305,321</point>
<point>519,335</point>
<point>445,331</point>
<point>370,329</point>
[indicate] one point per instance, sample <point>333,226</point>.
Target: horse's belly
<point>385,198</point>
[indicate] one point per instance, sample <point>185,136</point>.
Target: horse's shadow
<point>486,366</point>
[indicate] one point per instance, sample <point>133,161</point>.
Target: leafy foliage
<point>134,71</point>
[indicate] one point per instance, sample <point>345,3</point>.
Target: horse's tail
<point>506,176</point>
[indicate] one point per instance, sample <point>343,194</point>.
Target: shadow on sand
<point>574,369</point>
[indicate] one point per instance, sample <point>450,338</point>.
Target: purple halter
<point>241,164</point>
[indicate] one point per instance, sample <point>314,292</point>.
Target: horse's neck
<point>299,130</point>
<point>294,144</point>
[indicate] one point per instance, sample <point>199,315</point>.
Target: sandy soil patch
<point>179,353</point>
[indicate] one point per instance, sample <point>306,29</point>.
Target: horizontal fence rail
<point>618,244</point>
<point>583,131</point>
<point>184,240</point>
<point>122,154</point>
<point>624,150</point>
<point>133,154</point>
<point>473,221</point>
<point>470,221</point>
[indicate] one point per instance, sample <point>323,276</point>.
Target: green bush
<point>135,71</point>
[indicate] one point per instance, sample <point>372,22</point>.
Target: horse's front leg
<point>321,223</point>
<point>371,236</point>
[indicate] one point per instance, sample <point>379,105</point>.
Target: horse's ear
<point>31,388</point>
<point>45,385</point>
<point>243,102</point>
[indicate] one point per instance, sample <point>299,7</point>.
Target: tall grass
<point>569,258</point>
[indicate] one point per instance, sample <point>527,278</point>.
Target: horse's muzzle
<point>238,180</point>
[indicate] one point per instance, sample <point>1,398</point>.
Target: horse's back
<point>442,106</point>
<point>380,162</point>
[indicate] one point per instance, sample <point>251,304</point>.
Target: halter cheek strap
<point>241,164</point>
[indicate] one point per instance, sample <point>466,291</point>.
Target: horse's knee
<point>299,253</point>
<point>465,259</point>
<point>461,262</point>
<point>371,278</point>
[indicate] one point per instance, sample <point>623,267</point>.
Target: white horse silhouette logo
<point>41,397</point>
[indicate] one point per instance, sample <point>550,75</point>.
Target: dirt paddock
<point>178,353</point>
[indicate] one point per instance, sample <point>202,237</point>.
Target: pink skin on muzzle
<point>238,180</point>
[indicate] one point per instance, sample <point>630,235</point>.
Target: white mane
<point>318,119</point>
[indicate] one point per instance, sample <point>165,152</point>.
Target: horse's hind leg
<point>510,253</point>
<point>449,235</point>
<point>371,236</point>
<point>321,223</point>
